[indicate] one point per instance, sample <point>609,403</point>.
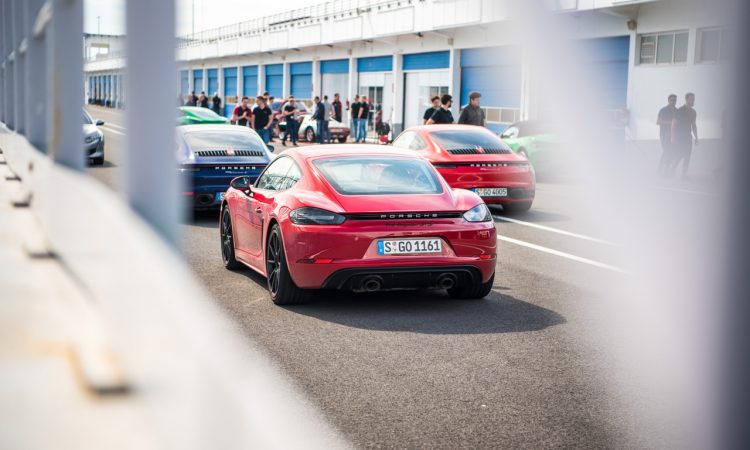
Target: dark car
<point>210,156</point>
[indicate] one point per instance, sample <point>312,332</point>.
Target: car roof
<point>445,127</point>
<point>319,151</point>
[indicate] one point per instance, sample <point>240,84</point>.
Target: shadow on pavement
<point>428,312</point>
<point>203,218</point>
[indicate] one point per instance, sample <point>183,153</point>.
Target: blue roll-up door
<point>375,64</point>
<point>213,82</point>
<point>606,59</point>
<point>493,72</point>
<point>250,81</point>
<point>429,60</point>
<point>275,80</point>
<point>230,89</point>
<point>184,84</point>
<point>335,66</point>
<point>301,82</point>
<point>198,81</point>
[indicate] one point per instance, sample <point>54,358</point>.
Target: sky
<point>208,13</point>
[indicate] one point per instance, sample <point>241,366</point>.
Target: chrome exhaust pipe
<point>371,284</point>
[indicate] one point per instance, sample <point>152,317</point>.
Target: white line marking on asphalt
<point>561,254</point>
<point>555,230</point>
<point>110,130</point>
<point>112,124</point>
<point>686,191</point>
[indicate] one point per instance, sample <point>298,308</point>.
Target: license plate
<point>220,196</point>
<point>409,246</point>
<point>492,192</point>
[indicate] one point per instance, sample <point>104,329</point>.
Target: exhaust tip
<point>371,284</point>
<point>446,281</point>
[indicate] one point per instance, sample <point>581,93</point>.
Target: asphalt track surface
<point>518,369</point>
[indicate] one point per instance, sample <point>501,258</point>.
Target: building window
<point>664,48</point>
<point>712,45</point>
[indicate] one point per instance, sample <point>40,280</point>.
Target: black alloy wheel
<point>227,241</point>
<point>280,284</point>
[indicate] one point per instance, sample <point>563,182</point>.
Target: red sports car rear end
<point>473,158</point>
<point>359,218</point>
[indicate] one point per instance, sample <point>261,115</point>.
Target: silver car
<point>93,139</point>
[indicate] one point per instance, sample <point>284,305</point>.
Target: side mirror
<point>271,148</point>
<point>99,122</point>
<point>241,184</point>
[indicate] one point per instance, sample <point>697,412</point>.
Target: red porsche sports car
<point>474,158</point>
<point>357,218</point>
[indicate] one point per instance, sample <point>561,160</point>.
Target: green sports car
<point>535,140</point>
<point>193,115</point>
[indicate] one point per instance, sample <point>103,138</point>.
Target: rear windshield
<point>213,139</point>
<point>465,139</point>
<point>379,175</point>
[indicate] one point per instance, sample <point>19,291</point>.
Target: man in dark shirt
<point>242,113</point>
<point>289,111</point>
<point>664,120</point>
<point>364,111</point>
<point>354,109</point>
<point>203,100</point>
<point>683,129</point>
<point>431,110</point>
<point>262,119</point>
<point>191,99</point>
<point>472,114</point>
<point>336,103</point>
<point>443,114</point>
<point>216,100</point>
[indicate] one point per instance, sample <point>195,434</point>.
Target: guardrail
<point>198,383</point>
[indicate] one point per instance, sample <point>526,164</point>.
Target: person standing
<point>317,116</point>
<point>473,114</point>
<point>354,115</point>
<point>203,100</point>
<point>289,111</point>
<point>325,136</point>
<point>684,128</point>
<point>191,99</point>
<point>431,110</point>
<point>216,100</point>
<point>443,115</point>
<point>242,113</point>
<point>261,119</point>
<point>364,110</point>
<point>664,120</point>
<point>336,103</point>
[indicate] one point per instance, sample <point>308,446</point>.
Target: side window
<point>418,143</point>
<point>405,140</point>
<point>292,177</point>
<point>273,178</point>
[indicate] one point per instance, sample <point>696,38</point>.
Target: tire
<point>227,241</point>
<point>515,208</point>
<point>342,140</point>
<point>309,135</point>
<point>280,285</point>
<point>472,291</point>
<point>98,161</point>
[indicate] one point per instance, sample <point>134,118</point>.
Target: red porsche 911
<point>357,218</point>
<point>474,158</point>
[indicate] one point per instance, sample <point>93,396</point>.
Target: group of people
<point>677,132</point>
<point>440,111</point>
<point>323,112</point>
<point>192,100</point>
<point>259,118</point>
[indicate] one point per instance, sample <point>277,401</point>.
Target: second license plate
<point>409,246</point>
<point>492,192</point>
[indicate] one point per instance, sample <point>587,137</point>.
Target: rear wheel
<point>280,285</point>
<point>472,291</point>
<point>342,140</point>
<point>98,161</point>
<point>227,241</point>
<point>309,135</point>
<point>514,208</point>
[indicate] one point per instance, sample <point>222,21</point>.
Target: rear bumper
<point>357,279</point>
<point>204,184</point>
